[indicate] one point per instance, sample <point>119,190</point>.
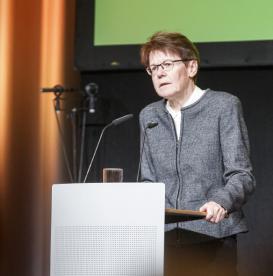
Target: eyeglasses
<point>166,66</point>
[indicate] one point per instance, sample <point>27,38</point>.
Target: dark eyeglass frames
<point>166,66</point>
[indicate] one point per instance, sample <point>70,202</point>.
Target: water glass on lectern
<point>112,175</point>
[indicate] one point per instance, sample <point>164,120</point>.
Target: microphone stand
<point>78,170</point>
<point>83,130</point>
<point>87,99</point>
<point>74,173</point>
<point>62,143</point>
<point>74,142</point>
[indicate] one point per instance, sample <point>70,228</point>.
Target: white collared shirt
<point>176,115</point>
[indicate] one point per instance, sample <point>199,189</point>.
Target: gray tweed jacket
<point>210,161</point>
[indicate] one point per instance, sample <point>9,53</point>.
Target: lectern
<point>107,229</point>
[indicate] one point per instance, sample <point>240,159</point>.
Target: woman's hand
<point>215,212</point>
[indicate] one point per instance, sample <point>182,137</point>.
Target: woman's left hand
<point>215,212</point>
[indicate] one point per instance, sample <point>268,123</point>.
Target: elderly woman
<point>200,150</point>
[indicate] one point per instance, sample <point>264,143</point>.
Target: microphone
<point>113,123</point>
<point>148,126</point>
<point>58,89</point>
<point>122,119</point>
<point>91,90</point>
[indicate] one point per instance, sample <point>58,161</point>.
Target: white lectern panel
<point>107,229</point>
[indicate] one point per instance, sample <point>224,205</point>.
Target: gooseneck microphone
<point>148,126</point>
<point>113,123</point>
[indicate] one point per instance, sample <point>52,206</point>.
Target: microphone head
<point>152,124</point>
<point>122,119</point>
<point>91,89</point>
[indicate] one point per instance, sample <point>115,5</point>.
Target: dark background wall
<point>126,92</point>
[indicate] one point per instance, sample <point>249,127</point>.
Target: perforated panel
<point>105,250</point>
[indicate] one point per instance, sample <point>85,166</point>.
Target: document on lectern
<point>107,229</point>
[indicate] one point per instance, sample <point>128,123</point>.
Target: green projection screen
<point>131,22</point>
<point>227,33</point>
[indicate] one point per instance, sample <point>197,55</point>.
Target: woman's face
<point>172,84</point>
